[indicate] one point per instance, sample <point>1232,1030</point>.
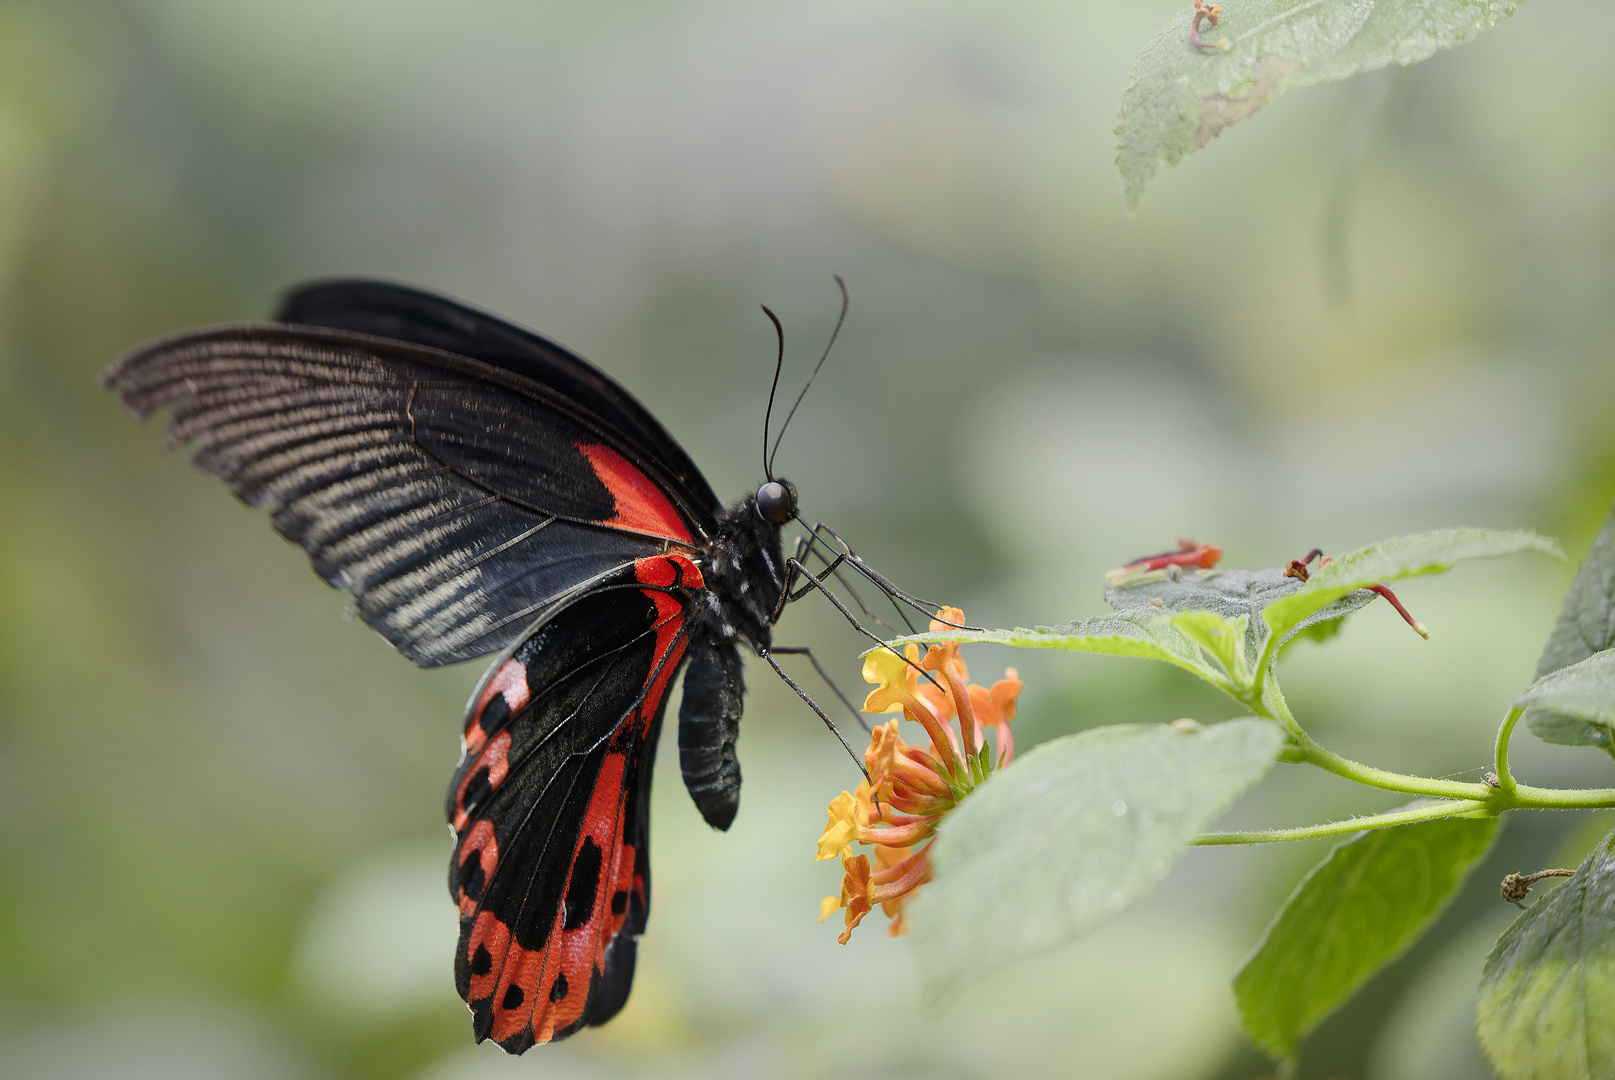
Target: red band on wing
<point>641,506</point>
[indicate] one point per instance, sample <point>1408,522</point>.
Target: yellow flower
<point>910,790</point>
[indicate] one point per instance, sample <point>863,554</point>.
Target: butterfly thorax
<point>745,572</point>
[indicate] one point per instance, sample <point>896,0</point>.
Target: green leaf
<point>1146,632</point>
<point>1223,639</point>
<point>1071,834</point>
<point>1390,560</point>
<point>1546,1009</point>
<point>1354,913</point>
<point>1230,593</point>
<point>1587,621</point>
<point>1180,98</point>
<point>1575,705</point>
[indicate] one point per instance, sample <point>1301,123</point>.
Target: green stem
<point>1274,707</point>
<point>1535,798</point>
<point>1505,779</point>
<point>1390,781</point>
<point>1455,808</point>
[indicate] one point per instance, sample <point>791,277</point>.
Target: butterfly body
<point>478,489</point>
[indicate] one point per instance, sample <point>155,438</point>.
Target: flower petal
<point>842,828</point>
<point>889,673</point>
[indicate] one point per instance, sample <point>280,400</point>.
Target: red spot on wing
<point>641,506</point>
<point>665,571</point>
<point>479,843</point>
<point>495,758</point>
<point>509,682</point>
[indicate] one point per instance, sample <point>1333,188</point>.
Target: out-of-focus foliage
<point>1180,96</point>
<point>1362,906</point>
<point>1551,978</point>
<point>207,776</point>
<point>1070,835</point>
<point>1585,628</point>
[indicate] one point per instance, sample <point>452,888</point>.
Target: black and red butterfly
<point>478,489</point>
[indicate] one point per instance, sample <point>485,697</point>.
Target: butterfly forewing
<point>451,505</point>
<point>550,806</point>
<point>397,311</point>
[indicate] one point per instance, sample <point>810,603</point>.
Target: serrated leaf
<point>1546,1009</point>
<point>1587,620</point>
<point>1391,560</point>
<point>1070,835</point>
<point>1358,910</point>
<point>1179,98</point>
<point>1230,593</point>
<point>1145,632</point>
<point>1574,705</point>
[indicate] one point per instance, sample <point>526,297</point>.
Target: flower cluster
<point>909,789</point>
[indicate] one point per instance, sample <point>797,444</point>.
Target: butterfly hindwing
<point>550,806</point>
<point>453,499</point>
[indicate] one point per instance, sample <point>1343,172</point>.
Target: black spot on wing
<point>492,717</point>
<point>585,885</point>
<point>470,877</point>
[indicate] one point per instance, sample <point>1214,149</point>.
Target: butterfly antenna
<point>768,414</point>
<point>846,301</point>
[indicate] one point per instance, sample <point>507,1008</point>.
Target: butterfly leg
<point>857,599</point>
<point>816,581</point>
<point>803,650</point>
<point>814,705</point>
<point>879,580</point>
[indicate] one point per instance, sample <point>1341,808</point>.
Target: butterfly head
<point>776,501</point>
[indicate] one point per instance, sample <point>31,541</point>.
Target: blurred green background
<point>221,849</point>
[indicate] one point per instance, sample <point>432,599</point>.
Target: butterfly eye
<point>776,502</point>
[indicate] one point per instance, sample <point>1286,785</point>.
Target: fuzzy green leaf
<point>1390,560</point>
<point>1180,98</point>
<point>1546,1009</point>
<point>1071,834</point>
<point>1354,913</point>
<point>1575,705</point>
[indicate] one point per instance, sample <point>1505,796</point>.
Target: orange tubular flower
<point>910,790</point>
